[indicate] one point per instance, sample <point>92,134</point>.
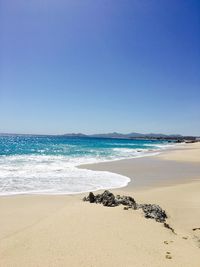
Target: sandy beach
<point>65,231</point>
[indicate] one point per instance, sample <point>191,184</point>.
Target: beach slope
<point>65,231</point>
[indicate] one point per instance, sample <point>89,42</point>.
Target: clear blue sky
<point>98,66</point>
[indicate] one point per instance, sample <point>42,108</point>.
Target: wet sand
<point>150,171</point>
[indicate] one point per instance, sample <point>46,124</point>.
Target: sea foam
<point>49,165</point>
<point>53,175</point>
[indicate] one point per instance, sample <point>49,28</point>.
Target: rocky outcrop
<point>153,211</point>
<point>108,199</point>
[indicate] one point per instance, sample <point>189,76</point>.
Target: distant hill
<point>114,135</point>
<point>133,135</point>
<point>75,135</point>
<point>137,135</point>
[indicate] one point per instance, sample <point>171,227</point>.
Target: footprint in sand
<point>195,229</point>
<point>168,255</point>
<point>167,242</point>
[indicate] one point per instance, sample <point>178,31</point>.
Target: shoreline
<point>144,153</point>
<point>162,169</point>
<point>116,166</point>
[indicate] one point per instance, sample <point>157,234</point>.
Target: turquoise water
<point>48,164</point>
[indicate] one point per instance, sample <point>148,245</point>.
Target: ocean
<point>48,164</point>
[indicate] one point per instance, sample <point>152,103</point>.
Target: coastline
<point>175,165</point>
<point>65,231</point>
<point>60,175</point>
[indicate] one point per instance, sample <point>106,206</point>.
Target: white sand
<point>64,231</point>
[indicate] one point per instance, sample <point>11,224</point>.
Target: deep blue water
<point>71,146</point>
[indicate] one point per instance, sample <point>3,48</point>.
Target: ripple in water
<point>48,165</point>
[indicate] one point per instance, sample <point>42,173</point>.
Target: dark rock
<point>108,199</point>
<point>127,201</point>
<point>179,141</point>
<point>153,211</point>
<point>169,227</point>
<point>91,197</point>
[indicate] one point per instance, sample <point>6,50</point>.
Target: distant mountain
<point>116,135</point>
<point>75,135</point>
<point>136,135</point>
<point>111,135</point>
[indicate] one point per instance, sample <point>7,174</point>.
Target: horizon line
<point>92,134</point>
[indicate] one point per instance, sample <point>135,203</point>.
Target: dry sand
<point>186,153</point>
<point>53,231</point>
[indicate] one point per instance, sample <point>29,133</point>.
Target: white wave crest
<point>47,174</point>
<point>53,175</point>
